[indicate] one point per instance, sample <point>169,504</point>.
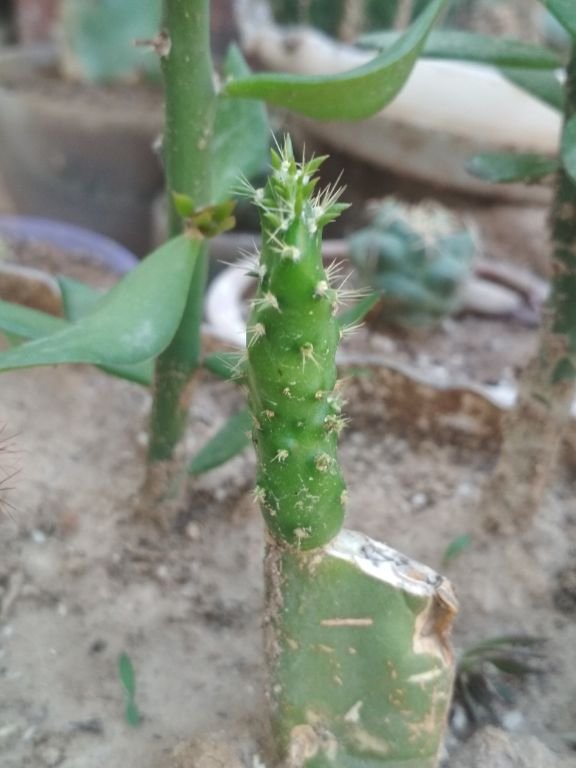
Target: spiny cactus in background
<point>98,39</point>
<point>292,338</point>
<point>357,636</point>
<point>418,257</point>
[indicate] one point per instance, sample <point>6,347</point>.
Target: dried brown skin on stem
<point>535,429</point>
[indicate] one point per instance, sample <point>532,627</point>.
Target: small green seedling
<point>416,258</point>
<point>456,548</point>
<point>487,678</point>
<point>128,680</point>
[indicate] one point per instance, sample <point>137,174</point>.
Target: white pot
<point>447,112</point>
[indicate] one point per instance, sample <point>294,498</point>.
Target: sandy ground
<point>81,582</point>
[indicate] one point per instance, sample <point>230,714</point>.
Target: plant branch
<point>547,388</point>
<point>190,109</point>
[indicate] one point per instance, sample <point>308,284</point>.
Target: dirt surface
<point>80,582</point>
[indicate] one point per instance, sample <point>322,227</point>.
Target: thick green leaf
<point>78,299</point>
<point>24,323</point>
<point>565,13</point>
<point>241,134</point>
<point>229,441</point>
<point>132,323</point>
<point>507,167</point>
<point>469,46</point>
<point>543,85</point>
<point>568,148</point>
<point>351,95</point>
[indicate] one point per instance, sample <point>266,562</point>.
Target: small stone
<point>38,536</point>
<point>8,731</point>
<point>51,756</point>
<point>419,500</point>
<point>162,573</point>
<point>220,493</point>
<point>193,531</point>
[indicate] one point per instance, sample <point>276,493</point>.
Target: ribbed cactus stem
<point>292,338</point>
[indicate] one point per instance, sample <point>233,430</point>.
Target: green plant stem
<point>190,110</point>
<point>534,431</point>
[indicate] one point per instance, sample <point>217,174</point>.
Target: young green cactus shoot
<point>292,338</point>
<point>360,666</point>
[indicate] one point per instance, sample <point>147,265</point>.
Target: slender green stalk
<point>534,431</point>
<point>190,109</point>
<point>357,635</point>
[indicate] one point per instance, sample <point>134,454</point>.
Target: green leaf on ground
<point>229,441</point>
<point>508,167</point>
<point>458,45</point>
<point>130,324</point>
<point>241,134</point>
<point>456,547</point>
<point>128,680</point>
<point>351,95</point>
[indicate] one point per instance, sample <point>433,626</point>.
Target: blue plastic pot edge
<point>68,237</point>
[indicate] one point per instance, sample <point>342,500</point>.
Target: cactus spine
<point>292,339</point>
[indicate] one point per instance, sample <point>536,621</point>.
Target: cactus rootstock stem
<point>534,431</point>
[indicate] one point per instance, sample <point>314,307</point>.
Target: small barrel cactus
<point>418,257</point>
<point>292,338</point>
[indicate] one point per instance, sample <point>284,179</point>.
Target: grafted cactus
<point>357,635</point>
<point>418,257</point>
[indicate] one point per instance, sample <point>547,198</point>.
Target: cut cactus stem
<point>360,662</point>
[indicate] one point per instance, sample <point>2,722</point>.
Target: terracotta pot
<point>71,159</point>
